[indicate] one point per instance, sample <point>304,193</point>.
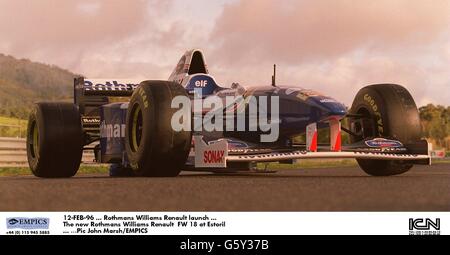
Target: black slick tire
<point>153,147</point>
<point>54,140</point>
<point>392,113</point>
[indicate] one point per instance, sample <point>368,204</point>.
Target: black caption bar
<point>215,244</point>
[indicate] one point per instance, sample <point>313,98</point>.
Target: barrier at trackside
<point>439,154</point>
<point>13,153</point>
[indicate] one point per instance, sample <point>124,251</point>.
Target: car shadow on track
<point>272,176</point>
<point>198,175</point>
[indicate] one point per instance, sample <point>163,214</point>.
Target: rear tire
<point>393,114</point>
<point>153,148</point>
<point>54,140</point>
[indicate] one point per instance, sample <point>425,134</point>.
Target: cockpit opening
<point>197,64</point>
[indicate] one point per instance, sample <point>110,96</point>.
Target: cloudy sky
<point>334,46</point>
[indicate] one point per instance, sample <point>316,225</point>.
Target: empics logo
<point>13,221</point>
<point>424,226</point>
<point>27,223</point>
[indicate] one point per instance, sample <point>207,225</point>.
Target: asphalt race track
<point>339,189</point>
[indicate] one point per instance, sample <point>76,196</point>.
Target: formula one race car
<point>150,135</point>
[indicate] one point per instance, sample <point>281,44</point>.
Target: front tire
<point>54,140</point>
<point>390,112</point>
<point>154,149</point>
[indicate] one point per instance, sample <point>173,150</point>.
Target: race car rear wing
<point>89,94</point>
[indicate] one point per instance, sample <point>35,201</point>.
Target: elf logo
<point>213,156</point>
<point>201,83</point>
<point>112,130</point>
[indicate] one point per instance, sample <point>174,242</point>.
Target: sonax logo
<point>213,156</point>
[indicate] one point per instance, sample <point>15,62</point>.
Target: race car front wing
<point>218,154</point>
<point>280,156</point>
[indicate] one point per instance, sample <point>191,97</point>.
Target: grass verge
<point>84,169</point>
<point>12,127</point>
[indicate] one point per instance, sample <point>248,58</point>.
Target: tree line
<point>23,83</point>
<point>435,120</point>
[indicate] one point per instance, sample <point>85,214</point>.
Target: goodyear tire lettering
<point>144,97</point>
<point>374,107</point>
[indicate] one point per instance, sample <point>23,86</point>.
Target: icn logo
<point>424,226</point>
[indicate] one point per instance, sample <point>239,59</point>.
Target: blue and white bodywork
<point>301,113</point>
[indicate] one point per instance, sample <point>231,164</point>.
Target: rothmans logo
<point>87,120</point>
<point>27,223</point>
<point>112,130</point>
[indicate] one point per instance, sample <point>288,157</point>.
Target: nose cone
<point>330,107</point>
